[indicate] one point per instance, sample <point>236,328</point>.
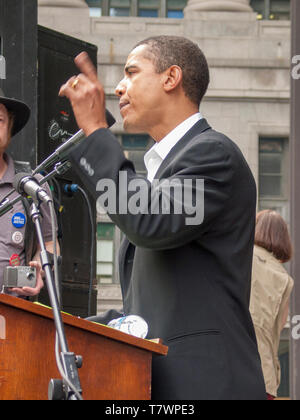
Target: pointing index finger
<point>85,65</point>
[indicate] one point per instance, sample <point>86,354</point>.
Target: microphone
<point>26,184</point>
<point>62,151</point>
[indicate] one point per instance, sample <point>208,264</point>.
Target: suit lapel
<point>201,126</point>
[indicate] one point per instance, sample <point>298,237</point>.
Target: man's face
<point>141,93</point>
<point>5,128</point>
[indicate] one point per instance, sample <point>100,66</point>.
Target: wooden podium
<point>116,366</point>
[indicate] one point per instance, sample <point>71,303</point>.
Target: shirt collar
<point>163,148</point>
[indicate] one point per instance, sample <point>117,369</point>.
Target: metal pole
<point>69,360</point>
<point>295,203</point>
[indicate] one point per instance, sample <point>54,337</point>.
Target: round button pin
<point>18,220</point>
<point>17,237</point>
<point>15,260</point>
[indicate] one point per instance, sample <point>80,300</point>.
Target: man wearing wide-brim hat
<point>18,244</point>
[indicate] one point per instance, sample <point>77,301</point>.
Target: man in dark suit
<point>186,270</point>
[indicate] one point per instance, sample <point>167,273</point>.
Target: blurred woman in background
<point>270,293</point>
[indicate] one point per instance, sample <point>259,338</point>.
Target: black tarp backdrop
<point>18,33</point>
<point>38,62</point>
<point>56,123</point>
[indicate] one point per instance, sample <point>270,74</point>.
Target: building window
<point>271,167</point>
<point>119,8</point>
<point>272,9</point>
<point>141,8</point>
<point>273,175</point>
<point>175,8</point>
<point>105,252</point>
<point>148,8</point>
<point>95,7</point>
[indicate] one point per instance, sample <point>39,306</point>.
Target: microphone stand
<point>58,389</point>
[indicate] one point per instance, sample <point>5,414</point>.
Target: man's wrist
<point>91,130</point>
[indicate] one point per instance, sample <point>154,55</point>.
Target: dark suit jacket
<point>190,283</point>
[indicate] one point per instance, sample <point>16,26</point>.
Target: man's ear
<point>173,78</point>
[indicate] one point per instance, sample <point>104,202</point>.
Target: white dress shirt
<point>156,155</point>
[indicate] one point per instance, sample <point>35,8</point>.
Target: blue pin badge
<point>18,220</point>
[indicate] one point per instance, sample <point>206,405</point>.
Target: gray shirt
<point>13,223</point>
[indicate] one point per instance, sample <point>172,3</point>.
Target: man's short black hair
<point>166,51</point>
